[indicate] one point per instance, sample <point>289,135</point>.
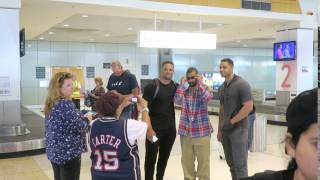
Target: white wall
<point>44,53</point>
<point>9,52</point>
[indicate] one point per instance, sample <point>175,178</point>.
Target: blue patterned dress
<point>65,130</point>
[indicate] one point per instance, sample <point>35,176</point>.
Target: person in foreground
<point>301,141</point>
<point>113,142</point>
<point>65,129</point>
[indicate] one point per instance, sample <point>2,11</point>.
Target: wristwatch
<point>145,109</point>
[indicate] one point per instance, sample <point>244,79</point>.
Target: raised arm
<point>178,97</point>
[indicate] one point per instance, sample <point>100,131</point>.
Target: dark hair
<point>301,114</point>
<point>228,60</point>
<point>191,69</point>
<point>167,62</point>
<point>107,104</point>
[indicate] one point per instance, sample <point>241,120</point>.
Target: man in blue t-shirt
<point>123,83</point>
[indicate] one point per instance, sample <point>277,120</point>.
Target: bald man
<point>124,84</point>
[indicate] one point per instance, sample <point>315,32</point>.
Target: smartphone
<point>92,113</point>
<point>154,139</point>
<point>134,100</point>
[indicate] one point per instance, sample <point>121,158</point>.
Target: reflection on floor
<point>39,168</point>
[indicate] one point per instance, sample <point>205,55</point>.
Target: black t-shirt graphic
<point>123,84</point>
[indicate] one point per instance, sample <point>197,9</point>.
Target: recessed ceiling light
<point>66,25</point>
<point>51,32</point>
<point>41,38</point>
<point>107,35</point>
<point>220,24</point>
<point>130,28</point>
<point>84,16</point>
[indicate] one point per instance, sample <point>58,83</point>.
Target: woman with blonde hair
<point>65,129</point>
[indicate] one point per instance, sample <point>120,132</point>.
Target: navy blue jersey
<point>112,156</point>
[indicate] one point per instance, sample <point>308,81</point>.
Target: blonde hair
<point>54,90</point>
<point>98,80</point>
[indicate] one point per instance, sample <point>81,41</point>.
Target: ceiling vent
<point>264,5</point>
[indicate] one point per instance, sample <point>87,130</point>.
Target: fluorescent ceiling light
<point>41,38</point>
<point>51,32</point>
<point>178,40</point>
<point>84,16</point>
<point>66,25</point>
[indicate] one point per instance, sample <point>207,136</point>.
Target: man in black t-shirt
<point>160,97</point>
<point>123,83</point>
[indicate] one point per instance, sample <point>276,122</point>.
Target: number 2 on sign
<point>107,161</point>
<point>285,83</point>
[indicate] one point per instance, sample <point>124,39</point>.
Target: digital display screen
<point>284,51</point>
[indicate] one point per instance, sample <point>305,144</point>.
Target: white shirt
<point>136,130</point>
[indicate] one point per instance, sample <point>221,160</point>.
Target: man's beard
<point>167,78</point>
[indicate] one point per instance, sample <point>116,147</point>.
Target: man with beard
<point>160,96</point>
<point>194,128</point>
<point>236,103</point>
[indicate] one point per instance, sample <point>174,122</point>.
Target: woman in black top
<point>96,92</point>
<point>301,141</point>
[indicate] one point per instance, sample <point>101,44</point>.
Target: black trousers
<point>164,145</point>
<point>68,171</point>
<point>76,103</point>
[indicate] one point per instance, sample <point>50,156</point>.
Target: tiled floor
<point>39,168</point>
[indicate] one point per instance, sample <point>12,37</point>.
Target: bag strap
<point>157,83</point>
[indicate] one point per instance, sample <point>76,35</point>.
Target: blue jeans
<point>251,119</point>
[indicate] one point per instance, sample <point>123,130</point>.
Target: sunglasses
<point>191,78</point>
<point>63,77</point>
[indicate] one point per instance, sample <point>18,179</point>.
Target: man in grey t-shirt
<point>236,103</point>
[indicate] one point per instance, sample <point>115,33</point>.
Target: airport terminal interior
<point>273,44</point>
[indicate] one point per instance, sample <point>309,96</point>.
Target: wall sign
<point>5,86</point>
<point>106,65</point>
<point>40,72</point>
<point>90,72</point>
<point>145,70</point>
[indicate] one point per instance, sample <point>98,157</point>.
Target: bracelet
<point>145,109</point>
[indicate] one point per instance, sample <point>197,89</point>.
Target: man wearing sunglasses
<point>194,127</point>
<point>236,103</point>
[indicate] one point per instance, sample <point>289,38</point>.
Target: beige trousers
<point>195,149</point>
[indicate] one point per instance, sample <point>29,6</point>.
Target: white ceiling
<point>110,24</point>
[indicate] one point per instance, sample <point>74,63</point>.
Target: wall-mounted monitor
<point>284,51</point>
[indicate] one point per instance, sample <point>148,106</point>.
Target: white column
<point>10,62</point>
<point>297,75</point>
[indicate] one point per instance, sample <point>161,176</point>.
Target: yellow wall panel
<point>285,6</point>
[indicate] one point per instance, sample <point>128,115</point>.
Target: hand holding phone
<point>134,100</point>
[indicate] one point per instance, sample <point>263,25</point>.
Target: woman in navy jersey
<point>114,151</point>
